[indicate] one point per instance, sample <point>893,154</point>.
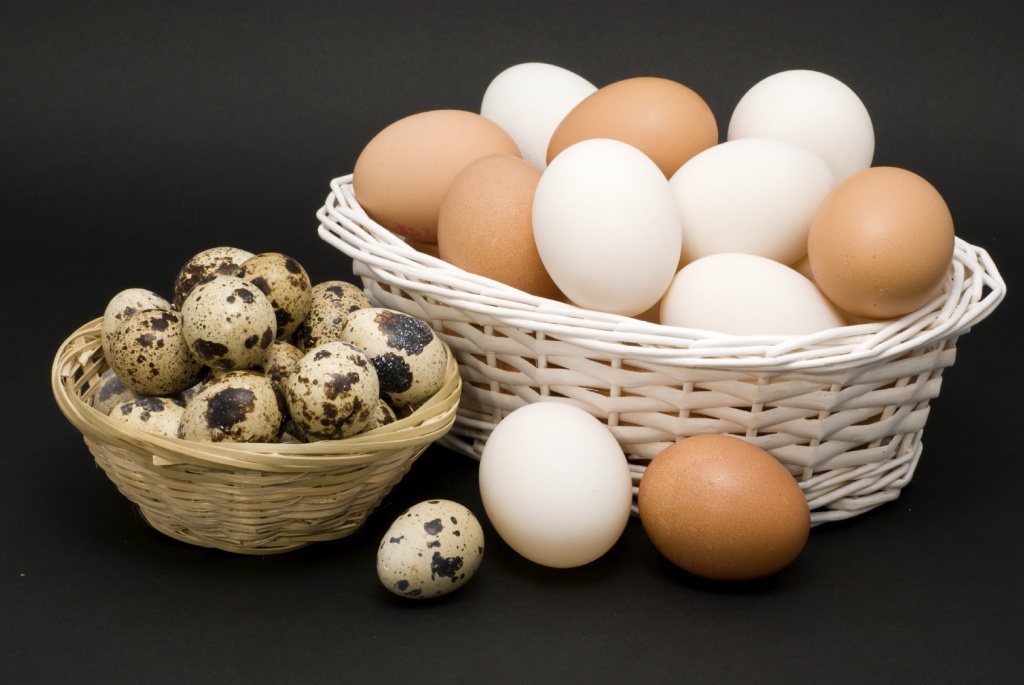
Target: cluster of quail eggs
<point>248,349</point>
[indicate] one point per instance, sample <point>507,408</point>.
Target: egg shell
<point>157,415</point>
<point>723,508</point>
<point>124,304</point>
<point>110,392</point>
<point>529,101</point>
<point>237,406</point>
<point>881,244</point>
<point>485,225</point>
<point>330,302</point>
<point>279,363</point>
<point>433,548</point>
<point>812,109</point>
<point>285,283</point>
<point>333,391</point>
<point>229,323</point>
<point>223,260</point>
<point>743,294</point>
<point>753,195</point>
<point>606,226</point>
<point>382,415</point>
<point>410,360</point>
<point>555,484</point>
<point>150,354</point>
<point>662,118</point>
<point>401,175</point>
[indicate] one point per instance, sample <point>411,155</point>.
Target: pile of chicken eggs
<point>622,199</point>
<point>248,349</point>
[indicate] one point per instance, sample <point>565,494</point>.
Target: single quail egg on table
<point>285,283</point>
<point>222,260</point>
<point>330,302</point>
<point>237,406</point>
<point>229,323</point>
<point>332,392</point>
<point>124,304</point>
<point>149,353</point>
<point>157,415</point>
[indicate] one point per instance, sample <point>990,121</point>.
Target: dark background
<point>133,135</point>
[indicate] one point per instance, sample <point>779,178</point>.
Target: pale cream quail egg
<point>330,302</point>
<point>382,415</point>
<point>157,415</point>
<point>216,260</point>
<point>150,355</point>
<point>229,323</point>
<point>280,360</point>
<point>285,283</point>
<point>110,392</point>
<point>409,358</point>
<point>237,406</point>
<point>124,304</point>
<point>332,392</point>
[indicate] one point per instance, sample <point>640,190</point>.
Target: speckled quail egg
<point>382,415</point>
<point>124,304</point>
<point>285,283</point>
<point>431,549</point>
<point>150,355</point>
<point>410,360</point>
<point>216,260</point>
<point>281,359</point>
<point>330,302</point>
<point>332,392</point>
<point>110,392</point>
<point>237,406</point>
<point>229,323</point>
<point>157,415</point>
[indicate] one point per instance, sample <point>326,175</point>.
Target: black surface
<point>132,135</point>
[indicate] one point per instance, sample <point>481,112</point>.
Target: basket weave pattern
<point>246,498</point>
<point>844,410</point>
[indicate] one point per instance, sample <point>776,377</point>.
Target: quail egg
<point>157,415</point>
<point>229,323</point>
<point>285,283</point>
<point>409,358</point>
<point>150,355</point>
<point>281,359</point>
<point>216,260</point>
<point>237,406</point>
<point>330,302</point>
<point>382,415</point>
<point>124,304</point>
<point>110,392</point>
<point>332,392</point>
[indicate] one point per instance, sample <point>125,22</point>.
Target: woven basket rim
<point>973,289</point>
<point>429,422</point>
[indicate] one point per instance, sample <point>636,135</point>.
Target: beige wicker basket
<point>246,498</point>
<point>843,410</point>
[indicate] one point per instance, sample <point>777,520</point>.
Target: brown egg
<point>881,243</point>
<point>723,508</point>
<point>402,174</point>
<point>485,225</point>
<point>664,119</point>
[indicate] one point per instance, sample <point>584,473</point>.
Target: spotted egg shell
<point>229,323</point>
<point>157,415</point>
<point>285,283</point>
<point>330,302</point>
<point>124,304</point>
<point>237,406</point>
<point>150,355</point>
<point>215,260</point>
<point>279,362</point>
<point>382,415</point>
<point>332,392</point>
<point>110,392</point>
<point>410,360</point>
<point>431,549</point>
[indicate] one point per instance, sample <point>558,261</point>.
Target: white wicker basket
<point>843,410</point>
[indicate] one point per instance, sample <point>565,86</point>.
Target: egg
<point>332,392</point>
<point>753,195</point>
<point>431,549</point>
<point>555,484</point>
<point>662,118</point>
<point>156,415</point>
<point>606,227</point>
<point>529,101</point>
<point>285,283</point>
<point>215,260</point>
<point>723,508</point>
<point>330,302</point>
<point>124,304</point>
<point>485,225</point>
<point>410,360</point>
<point>812,109</point>
<point>382,415</point>
<point>150,354</point>
<point>401,175</point>
<point>881,244</point>
<point>237,406</point>
<point>110,392</point>
<point>279,363</point>
<point>744,294</point>
<point>229,323</point>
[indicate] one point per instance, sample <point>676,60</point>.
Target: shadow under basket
<point>844,409</point>
<point>246,498</point>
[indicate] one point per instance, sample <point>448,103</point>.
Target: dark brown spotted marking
<point>208,350</point>
<point>229,407</point>
<point>340,384</point>
<point>404,332</point>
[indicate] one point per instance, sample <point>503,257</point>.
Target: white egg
<point>555,484</point>
<point>812,109</point>
<point>753,195</point>
<point>606,226</point>
<point>529,100</point>
<point>742,294</point>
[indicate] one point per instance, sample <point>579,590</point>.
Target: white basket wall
<point>844,410</point>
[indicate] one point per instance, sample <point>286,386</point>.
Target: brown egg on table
<point>881,243</point>
<point>485,225</point>
<point>664,119</point>
<point>723,508</point>
<point>400,177</point>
